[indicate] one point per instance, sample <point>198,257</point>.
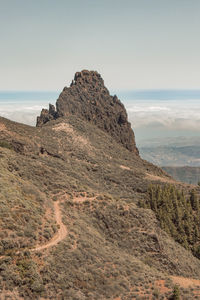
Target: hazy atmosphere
<point>146,51</point>
<point>152,113</point>
<point>134,44</point>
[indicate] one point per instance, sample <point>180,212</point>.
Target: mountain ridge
<point>113,248</point>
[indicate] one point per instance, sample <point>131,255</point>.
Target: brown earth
<point>99,187</point>
<point>186,282</point>
<point>106,246</point>
<point>60,235</point>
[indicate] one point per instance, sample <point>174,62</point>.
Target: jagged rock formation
<point>88,98</point>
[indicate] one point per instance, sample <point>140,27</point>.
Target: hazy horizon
<point>147,52</point>
<point>152,113</point>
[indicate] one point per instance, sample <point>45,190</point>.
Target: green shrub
<point>5,144</point>
<point>176,293</point>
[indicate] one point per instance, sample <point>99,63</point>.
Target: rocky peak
<point>88,98</point>
<point>91,78</point>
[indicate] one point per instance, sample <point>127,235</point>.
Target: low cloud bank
<point>145,115</point>
<point>21,112</point>
<point>168,115</point>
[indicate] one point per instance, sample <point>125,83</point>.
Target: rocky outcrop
<point>88,98</point>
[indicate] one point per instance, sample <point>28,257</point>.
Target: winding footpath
<point>58,237</point>
<point>61,233</point>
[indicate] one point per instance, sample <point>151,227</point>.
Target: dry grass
<point>186,282</point>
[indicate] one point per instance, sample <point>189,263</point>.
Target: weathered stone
<point>88,98</point>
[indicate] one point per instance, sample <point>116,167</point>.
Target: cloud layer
<point>169,115</point>
<point>149,118</point>
<point>21,112</point>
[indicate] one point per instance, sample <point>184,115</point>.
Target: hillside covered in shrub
<point>72,225</point>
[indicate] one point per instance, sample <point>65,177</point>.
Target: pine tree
<point>178,216</point>
<point>193,200</point>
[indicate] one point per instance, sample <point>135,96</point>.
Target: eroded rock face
<point>88,98</point>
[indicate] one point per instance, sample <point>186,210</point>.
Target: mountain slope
<point>111,241</point>
<point>70,224</point>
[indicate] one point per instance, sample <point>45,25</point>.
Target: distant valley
<point>184,174</point>
<point>179,157</point>
<point>172,155</point>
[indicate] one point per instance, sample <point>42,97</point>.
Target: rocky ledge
<point>88,98</point>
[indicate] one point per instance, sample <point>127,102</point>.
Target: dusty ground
<point>62,231</point>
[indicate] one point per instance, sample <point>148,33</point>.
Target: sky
<point>134,44</point>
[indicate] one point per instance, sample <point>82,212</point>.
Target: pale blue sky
<point>134,44</point>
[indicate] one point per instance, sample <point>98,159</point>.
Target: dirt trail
<point>159,178</point>
<point>60,235</point>
<point>186,282</point>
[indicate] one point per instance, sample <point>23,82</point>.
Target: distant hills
<point>176,152</point>
<point>172,155</point>
<point>179,157</point>
<point>184,174</point>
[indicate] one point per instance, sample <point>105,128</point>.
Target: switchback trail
<point>60,235</point>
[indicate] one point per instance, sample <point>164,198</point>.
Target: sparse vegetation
<point>113,248</point>
<point>5,144</point>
